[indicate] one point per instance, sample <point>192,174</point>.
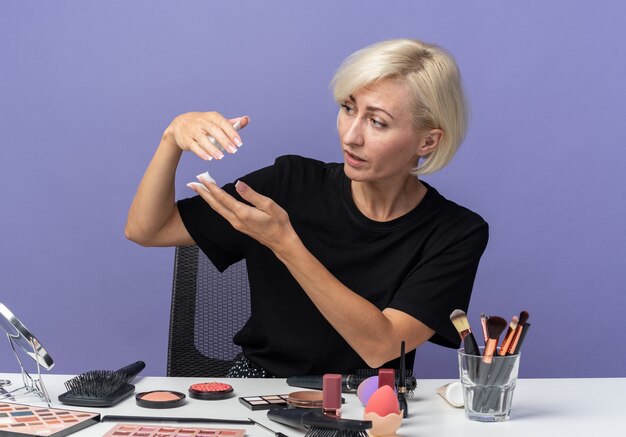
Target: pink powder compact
<point>211,391</point>
<point>160,399</point>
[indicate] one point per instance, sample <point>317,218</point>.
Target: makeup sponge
<point>366,388</point>
<point>383,402</point>
<point>384,412</point>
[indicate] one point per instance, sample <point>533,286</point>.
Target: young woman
<point>344,260</point>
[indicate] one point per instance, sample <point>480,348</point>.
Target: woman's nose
<point>354,132</point>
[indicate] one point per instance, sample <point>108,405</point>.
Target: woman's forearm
<point>154,203</point>
<point>374,334</point>
<point>153,219</point>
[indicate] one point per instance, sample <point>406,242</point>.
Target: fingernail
<point>206,177</point>
<point>238,142</point>
<point>207,157</point>
<point>219,155</point>
<point>241,186</point>
<point>195,186</point>
<point>232,148</point>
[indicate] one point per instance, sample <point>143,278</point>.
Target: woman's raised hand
<point>198,132</point>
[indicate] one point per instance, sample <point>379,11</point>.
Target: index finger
<point>230,128</point>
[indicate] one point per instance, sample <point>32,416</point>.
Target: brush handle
<point>518,347</point>
<point>132,369</point>
<point>504,371</point>
<point>114,418</point>
<point>470,346</point>
<point>277,434</point>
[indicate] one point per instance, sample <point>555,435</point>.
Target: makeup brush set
<point>492,371</point>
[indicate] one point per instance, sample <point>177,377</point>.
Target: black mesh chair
<point>208,308</point>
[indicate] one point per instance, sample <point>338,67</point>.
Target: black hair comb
<point>101,388</point>
<point>319,424</point>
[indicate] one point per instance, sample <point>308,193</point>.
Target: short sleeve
<point>442,283</point>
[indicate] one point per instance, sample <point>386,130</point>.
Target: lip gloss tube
<point>331,401</point>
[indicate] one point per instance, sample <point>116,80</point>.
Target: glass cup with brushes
<point>488,387</point>
<point>489,374</point>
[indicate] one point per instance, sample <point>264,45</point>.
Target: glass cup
<point>488,387</point>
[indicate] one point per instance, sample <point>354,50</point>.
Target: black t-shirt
<point>422,263</point>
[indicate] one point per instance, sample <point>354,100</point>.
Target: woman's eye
<point>377,123</point>
<point>347,108</point>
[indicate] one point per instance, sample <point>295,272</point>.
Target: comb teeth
<point>96,383</point>
<point>323,432</point>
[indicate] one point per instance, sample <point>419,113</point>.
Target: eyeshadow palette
<point>266,402</point>
<point>20,420</point>
<point>122,430</point>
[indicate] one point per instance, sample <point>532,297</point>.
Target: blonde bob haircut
<point>434,81</point>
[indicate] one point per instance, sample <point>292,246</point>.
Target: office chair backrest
<point>208,308</point>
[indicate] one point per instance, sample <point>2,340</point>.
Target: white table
<point>541,407</point>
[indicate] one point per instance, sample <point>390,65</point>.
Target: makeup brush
<point>508,337</point>
<point>402,384</point>
<point>123,418</point>
<point>485,371</point>
<point>521,338</point>
<point>523,317</point>
<point>101,388</point>
<point>502,375</point>
<point>495,326</point>
<point>459,320</point>
<point>277,434</point>
<point>319,424</point>
<point>483,324</point>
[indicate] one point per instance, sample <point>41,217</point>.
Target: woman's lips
<point>353,160</point>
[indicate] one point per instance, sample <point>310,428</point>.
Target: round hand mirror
<point>21,336</point>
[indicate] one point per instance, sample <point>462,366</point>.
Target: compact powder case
<point>211,391</point>
<point>264,402</point>
<point>305,399</point>
<point>160,399</point>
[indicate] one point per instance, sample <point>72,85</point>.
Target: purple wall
<point>87,88</point>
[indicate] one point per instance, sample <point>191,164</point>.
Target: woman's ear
<point>430,141</point>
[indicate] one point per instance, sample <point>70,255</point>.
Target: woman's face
<point>378,137</point>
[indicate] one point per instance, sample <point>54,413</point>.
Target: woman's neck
<point>386,201</point>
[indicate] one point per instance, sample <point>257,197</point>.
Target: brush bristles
<point>495,326</point>
<point>96,383</point>
<point>514,322</point>
<point>523,317</point>
<point>460,322</point>
<point>324,432</point>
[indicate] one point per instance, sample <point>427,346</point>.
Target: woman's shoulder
<point>299,161</point>
<point>296,167</point>
<point>454,214</point>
